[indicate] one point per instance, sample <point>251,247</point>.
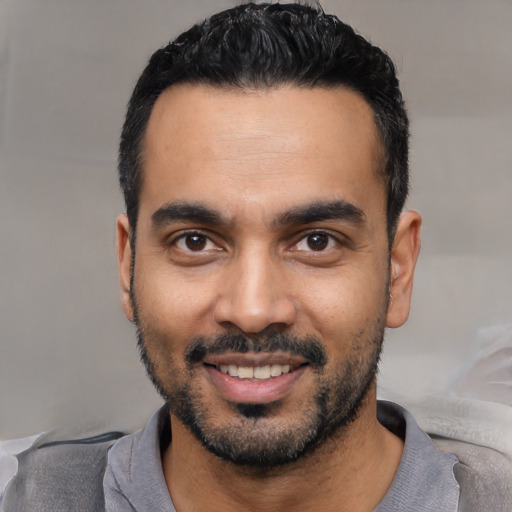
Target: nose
<point>254,296</point>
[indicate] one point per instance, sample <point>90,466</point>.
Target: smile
<point>255,372</point>
<point>254,378</point>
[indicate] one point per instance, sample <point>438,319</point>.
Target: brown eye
<point>196,242</point>
<point>317,241</point>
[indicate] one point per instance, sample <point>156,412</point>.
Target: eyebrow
<point>188,212</point>
<point>318,211</point>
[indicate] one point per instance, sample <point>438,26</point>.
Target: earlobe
<point>404,254</point>
<point>124,258</point>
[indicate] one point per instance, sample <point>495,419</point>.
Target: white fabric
<point>8,462</point>
<point>477,409</point>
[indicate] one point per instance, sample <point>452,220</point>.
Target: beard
<point>257,436</point>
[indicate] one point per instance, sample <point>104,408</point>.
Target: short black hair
<point>267,45</point>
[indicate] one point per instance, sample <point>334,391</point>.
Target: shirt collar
<point>424,480</point>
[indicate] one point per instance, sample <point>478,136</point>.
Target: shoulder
<point>484,475</point>
<point>59,474</point>
<point>425,479</point>
<point>478,434</point>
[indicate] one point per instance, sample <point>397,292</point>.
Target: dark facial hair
<point>336,403</point>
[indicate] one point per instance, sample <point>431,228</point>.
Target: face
<point>261,273</point>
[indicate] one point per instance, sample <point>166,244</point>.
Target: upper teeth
<point>255,372</point>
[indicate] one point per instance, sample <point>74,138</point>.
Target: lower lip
<point>253,391</point>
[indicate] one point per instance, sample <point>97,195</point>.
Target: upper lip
<point>254,359</point>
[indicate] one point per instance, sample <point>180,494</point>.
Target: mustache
<point>309,347</point>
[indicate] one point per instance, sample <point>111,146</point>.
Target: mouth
<point>254,378</point>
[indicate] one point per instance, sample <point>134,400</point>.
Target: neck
<point>348,472</point>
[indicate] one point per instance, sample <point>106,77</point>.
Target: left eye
<point>194,242</point>
<point>316,242</point>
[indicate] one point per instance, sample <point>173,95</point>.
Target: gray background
<point>67,68</point>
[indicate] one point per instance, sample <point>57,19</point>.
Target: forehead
<point>279,146</point>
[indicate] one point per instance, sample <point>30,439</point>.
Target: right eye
<point>194,242</point>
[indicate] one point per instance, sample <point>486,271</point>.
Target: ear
<point>124,258</point>
<point>404,254</point>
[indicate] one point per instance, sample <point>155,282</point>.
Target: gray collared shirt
<point>424,482</point>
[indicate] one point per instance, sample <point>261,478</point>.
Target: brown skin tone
<point>252,156</point>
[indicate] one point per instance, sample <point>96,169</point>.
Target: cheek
<point>173,308</point>
<point>343,304</point>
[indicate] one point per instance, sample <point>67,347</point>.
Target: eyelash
<point>183,236</point>
<point>337,240</point>
<point>330,239</point>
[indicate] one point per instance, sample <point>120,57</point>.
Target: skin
<point>252,156</point>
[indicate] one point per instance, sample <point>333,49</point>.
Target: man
<point>264,251</point>
<point>264,166</point>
